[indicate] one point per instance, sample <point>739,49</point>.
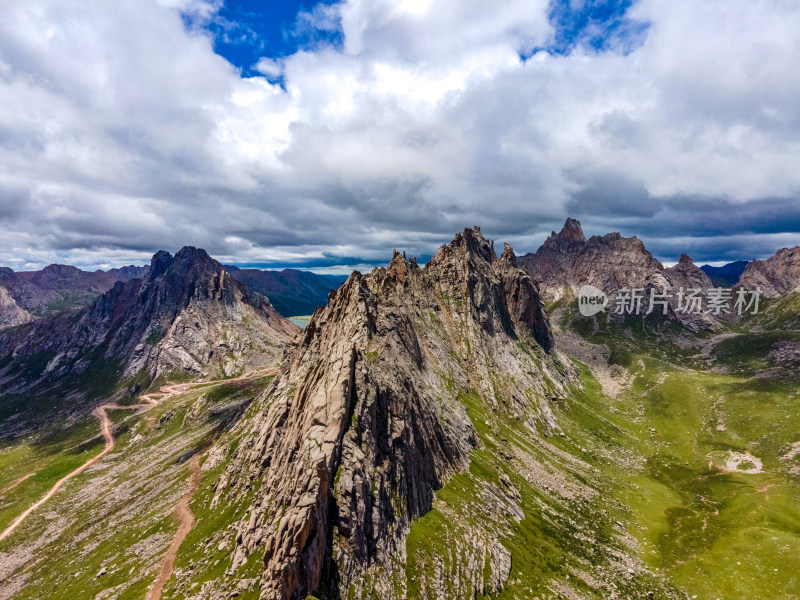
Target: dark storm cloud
<point>709,229</point>
<point>612,195</point>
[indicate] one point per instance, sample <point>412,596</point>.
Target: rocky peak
<point>366,418</point>
<point>777,275</point>
<point>56,271</point>
<point>572,231</point>
<point>685,260</point>
<point>191,259</point>
<point>159,264</point>
<point>568,260</point>
<point>472,242</point>
<point>509,256</point>
<point>570,237</point>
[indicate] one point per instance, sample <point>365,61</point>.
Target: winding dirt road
<point>182,511</point>
<point>150,400</point>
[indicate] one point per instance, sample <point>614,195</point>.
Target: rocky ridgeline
<point>567,260</point>
<point>776,276</point>
<point>188,314</point>
<point>366,419</point>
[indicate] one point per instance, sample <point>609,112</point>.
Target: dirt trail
<point>183,513</point>
<point>105,425</point>
<point>151,400</point>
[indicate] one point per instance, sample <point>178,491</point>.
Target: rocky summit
<point>777,275</point>
<point>366,418</point>
<point>186,315</point>
<point>567,261</point>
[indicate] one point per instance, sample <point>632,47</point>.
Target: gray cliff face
<point>188,315</point>
<point>686,275</point>
<point>366,418</point>
<point>569,240</point>
<point>777,275</point>
<point>11,314</point>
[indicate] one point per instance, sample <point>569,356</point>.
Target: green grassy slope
<point>704,419</point>
<point>116,515</point>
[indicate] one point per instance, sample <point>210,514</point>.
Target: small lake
<point>300,321</point>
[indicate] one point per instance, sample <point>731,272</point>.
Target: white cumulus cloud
<point>121,131</point>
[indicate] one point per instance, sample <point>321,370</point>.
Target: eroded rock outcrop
<point>775,276</point>
<point>367,417</point>
<point>567,260</point>
<point>11,313</point>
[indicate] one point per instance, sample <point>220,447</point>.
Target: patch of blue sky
<point>592,25</point>
<point>245,31</point>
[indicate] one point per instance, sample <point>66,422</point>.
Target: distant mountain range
<point>726,275</point>
<point>291,292</point>
<point>57,288</point>
<point>26,295</point>
<point>564,260</point>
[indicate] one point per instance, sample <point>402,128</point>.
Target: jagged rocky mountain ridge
<point>187,315</point>
<point>365,420</point>
<point>567,260</point>
<point>776,276</point>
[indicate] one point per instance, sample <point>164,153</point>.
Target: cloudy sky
<point>324,135</point>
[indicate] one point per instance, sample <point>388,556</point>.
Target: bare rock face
<point>777,275</point>
<point>567,260</point>
<point>11,313</point>
<point>569,239</point>
<point>687,276</point>
<point>367,416</point>
<point>188,314</point>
